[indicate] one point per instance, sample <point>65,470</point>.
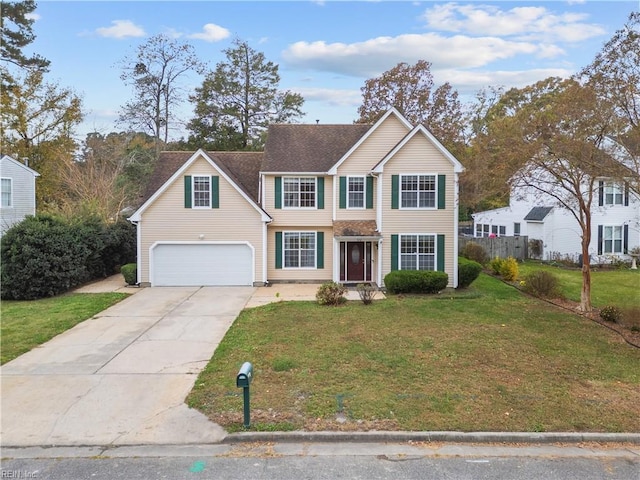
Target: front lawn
<point>485,359</point>
<point>608,287</point>
<point>27,324</point>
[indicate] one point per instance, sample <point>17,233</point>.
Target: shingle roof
<point>242,167</point>
<point>355,228</point>
<point>537,214</point>
<point>308,148</point>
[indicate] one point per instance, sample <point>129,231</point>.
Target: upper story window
<point>418,191</point>
<point>613,194</point>
<point>6,189</point>
<point>201,191</point>
<point>299,192</point>
<point>355,192</point>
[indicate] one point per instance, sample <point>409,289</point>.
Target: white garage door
<point>201,265</point>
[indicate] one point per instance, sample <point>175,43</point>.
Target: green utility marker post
<point>245,375</point>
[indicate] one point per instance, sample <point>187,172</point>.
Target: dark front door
<point>355,260</point>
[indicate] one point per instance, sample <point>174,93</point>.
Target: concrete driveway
<point>121,377</point>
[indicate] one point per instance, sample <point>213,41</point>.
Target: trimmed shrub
<point>611,313</point>
<point>476,252</point>
<point>331,293</point>
<point>468,271</point>
<point>509,269</point>
<point>415,281</point>
<point>541,283</point>
<point>130,273</point>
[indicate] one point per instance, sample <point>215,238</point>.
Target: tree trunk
<point>585,293</point>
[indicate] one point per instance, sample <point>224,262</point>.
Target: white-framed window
<point>418,191</point>
<point>483,229</point>
<point>516,229</point>
<point>6,192</point>
<point>613,194</point>
<point>299,192</point>
<point>499,230</point>
<point>355,192</point>
<point>417,252</point>
<point>612,239</point>
<point>299,249</point>
<point>201,191</point>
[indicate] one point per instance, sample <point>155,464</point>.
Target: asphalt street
<point>329,461</point>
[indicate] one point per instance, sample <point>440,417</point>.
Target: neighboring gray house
<point>17,192</point>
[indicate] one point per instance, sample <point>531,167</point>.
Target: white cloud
<point>211,33</point>
<point>467,83</point>
<point>328,96</point>
<point>33,16</point>
<point>372,57</point>
<point>530,23</point>
<point>121,29</point>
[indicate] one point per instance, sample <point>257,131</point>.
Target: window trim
<point>285,233</point>
<point>298,178</point>
<point>10,204</point>
<point>363,192</point>
<point>417,254</point>
<point>613,239</point>
<point>615,190</point>
<point>193,192</point>
<point>401,191</point>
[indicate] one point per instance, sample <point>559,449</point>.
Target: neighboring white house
<point>17,192</point>
<point>615,222</point>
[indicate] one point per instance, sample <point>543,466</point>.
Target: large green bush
<point>468,271</point>
<point>415,281</point>
<point>44,256</point>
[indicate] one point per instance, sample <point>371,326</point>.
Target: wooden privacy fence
<point>503,247</point>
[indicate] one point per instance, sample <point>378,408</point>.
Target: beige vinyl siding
<point>299,274</point>
<point>302,217</point>
<point>364,158</point>
<point>419,156</point>
<point>168,220</point>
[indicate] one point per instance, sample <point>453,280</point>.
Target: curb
<point>452,437</point>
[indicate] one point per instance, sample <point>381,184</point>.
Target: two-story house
<point>348,203</point>
<point>615,222</point>
<point>17,192</point>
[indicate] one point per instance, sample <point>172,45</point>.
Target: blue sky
<point>327,49</point>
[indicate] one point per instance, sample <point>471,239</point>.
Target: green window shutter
<point>442,181</point>
<point>320,201</point>
<point>394,252</point>
<point>319,249</point>
<point>395,191</point>
<point>187,191</point>
<point>369,192</point>
<point>215,192</point>
<point>440,260</point>
<point>278,192</point>
<point>343,192</point>
<point>278,249</point>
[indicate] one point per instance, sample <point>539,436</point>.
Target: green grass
<point>484,359</point>
<point>27,324</point>
<point>608,287</point>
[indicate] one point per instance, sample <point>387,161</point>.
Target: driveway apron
<point>121,377</point>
